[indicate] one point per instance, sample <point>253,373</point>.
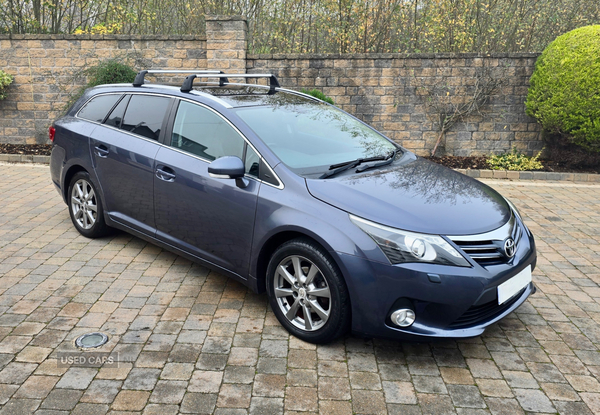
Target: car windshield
<point>310,137</point>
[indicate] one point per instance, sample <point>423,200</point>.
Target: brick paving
<point>197,342</point>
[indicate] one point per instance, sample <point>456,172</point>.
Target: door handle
<point>166,174</point>
<point>102,151</point>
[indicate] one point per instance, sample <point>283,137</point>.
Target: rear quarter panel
<point>70,149</point>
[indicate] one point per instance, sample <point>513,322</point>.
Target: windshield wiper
<point>347,165</point>
<point>383,163</point>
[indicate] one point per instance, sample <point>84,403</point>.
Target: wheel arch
<point>278,239</point>
<point>339,312</point>
<point>72,171</point>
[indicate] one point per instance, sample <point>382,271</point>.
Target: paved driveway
<point>200,343</point>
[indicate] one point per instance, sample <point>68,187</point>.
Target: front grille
<point>482,252</point>
<point>488,248</point>
<point>481,313</point>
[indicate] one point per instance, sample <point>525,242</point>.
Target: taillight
<point>51,132</point>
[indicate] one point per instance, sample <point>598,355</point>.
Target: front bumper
<point>462,304</point>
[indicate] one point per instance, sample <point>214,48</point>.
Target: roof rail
<point>139,78</point>
<point>223,79</point>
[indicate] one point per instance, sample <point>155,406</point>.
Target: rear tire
<point>85,207</point>
<point>307,292</point>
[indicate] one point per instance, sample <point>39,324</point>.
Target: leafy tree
<point>322,26</point>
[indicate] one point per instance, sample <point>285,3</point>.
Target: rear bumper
<point>57,162</point>
<point>461,305</point>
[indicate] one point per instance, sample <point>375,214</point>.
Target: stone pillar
<point>226,43</point>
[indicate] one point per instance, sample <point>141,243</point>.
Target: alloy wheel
<point>84,204</point>
<point>302,293</point>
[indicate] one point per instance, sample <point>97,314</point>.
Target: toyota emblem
<point>509,247</point>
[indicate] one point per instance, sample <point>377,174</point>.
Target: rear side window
<point>97,108</point>
<point>144,115</point>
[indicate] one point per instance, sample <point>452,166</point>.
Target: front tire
<point>307,292</point>
<point>85,207</point>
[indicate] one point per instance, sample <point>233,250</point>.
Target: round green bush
<point>110,71</point>
<point>564,92</point>
<point>318,94</point>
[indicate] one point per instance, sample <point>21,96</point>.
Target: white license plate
<point>508,289</point>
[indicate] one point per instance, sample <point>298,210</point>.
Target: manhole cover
<point>91,340</point>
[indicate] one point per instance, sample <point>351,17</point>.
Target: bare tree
<point>447,105</point>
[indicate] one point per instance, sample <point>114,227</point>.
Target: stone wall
<point>389,91</point>
<point>44,67</point>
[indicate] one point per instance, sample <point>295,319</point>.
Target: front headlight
<point>402,246</point>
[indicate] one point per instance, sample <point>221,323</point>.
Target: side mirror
<point>228,167</point>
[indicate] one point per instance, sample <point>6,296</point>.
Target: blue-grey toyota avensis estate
<point>343,228</point>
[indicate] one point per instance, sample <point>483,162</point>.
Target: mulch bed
<point>461,162</point>
<point>28,149</point>
<point>564,165</point>
<point>476,162</point>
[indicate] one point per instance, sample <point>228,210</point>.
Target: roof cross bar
<point>189,80</point>
<point>223,79</point>
<point>139,78</point>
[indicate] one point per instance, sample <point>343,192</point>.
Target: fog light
<point>403,317</point>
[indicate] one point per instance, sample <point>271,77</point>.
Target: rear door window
<point>97,108</point>
<point>116,116</point>
<point>145,114</point>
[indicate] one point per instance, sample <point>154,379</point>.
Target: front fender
<point>294,211</point>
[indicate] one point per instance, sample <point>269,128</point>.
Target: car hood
<point>418,196</point>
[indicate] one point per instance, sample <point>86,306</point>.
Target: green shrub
<point>514,161</point>
<point>563,94</point>
<point>318,94</point>
<point>5,80</point>
<point>109,71</point>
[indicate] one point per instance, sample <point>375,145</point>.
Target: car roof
<point>231,95</point>
<point>242,95</point>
